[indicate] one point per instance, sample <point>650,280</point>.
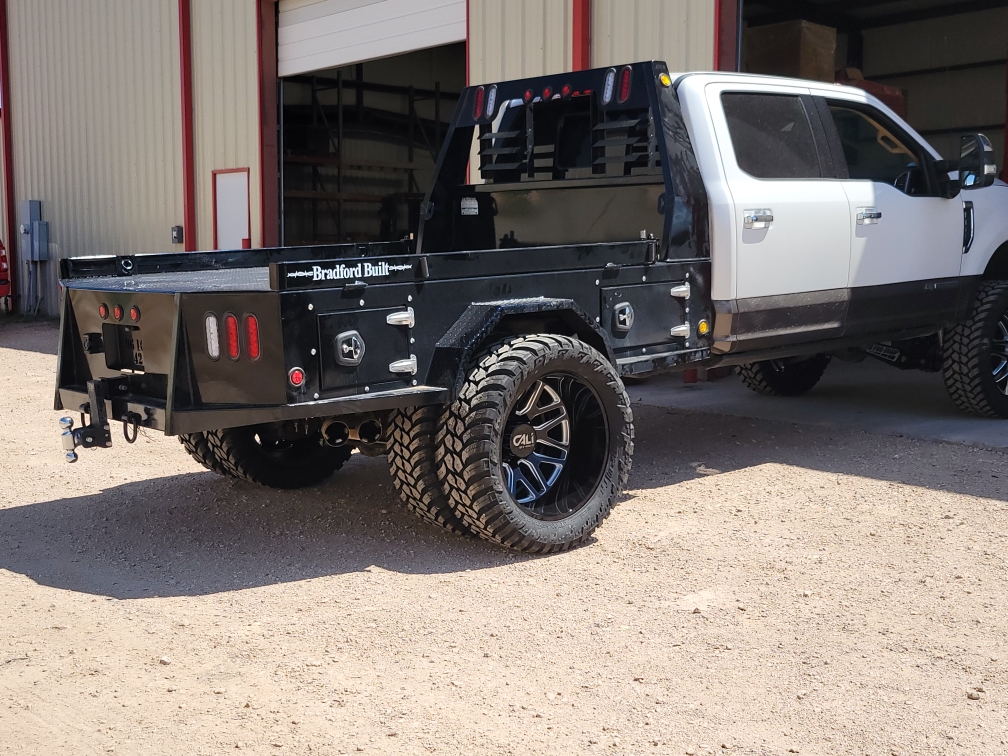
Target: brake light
<point>117,312</point>
<point>296,377</point>
<point>212,336</point>
<point>252,337</point>
<point>103,311</point>
<point>491,101</point>
<point>624,84</point>
<point>610,86</point>
<point>231,340</point>
<point>135,314</point>
<point>478,105</point>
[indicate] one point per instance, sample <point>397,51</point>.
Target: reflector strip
<point>252,336</point>
<point>231,336</point>
<point>212,336</point>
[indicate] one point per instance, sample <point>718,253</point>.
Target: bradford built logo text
<point>348,272</point>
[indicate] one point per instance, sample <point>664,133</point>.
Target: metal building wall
<point>225,104</point>
<point>511,39</point>
<point>680,32</point>
<point>96,125</point>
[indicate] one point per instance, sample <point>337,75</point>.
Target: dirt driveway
<point>764,588</point>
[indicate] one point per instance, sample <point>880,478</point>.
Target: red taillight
<point>296,377</point>
<point>135,314</point>
<point>528,95</point>
<point>566,91</point>
<point>624,84</point>
<point>103,311</point>
<point>478,105</point>
<point>231,340</point>
<point>252,336</point>
<point>547,93</point>
<point>117,312</point>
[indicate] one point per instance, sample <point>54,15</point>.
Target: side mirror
<point>976,162</point>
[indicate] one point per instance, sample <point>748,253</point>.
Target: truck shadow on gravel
<point>197,533</point>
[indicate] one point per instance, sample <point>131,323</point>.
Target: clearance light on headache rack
<point>547,93</point>
<point>624,84</point>
<point>478,104</point>
<point>566,91</point>
<point>231,341</point>
<point>212,336</point>
<point>609,87</point>
<point>491,101</point>
<point>665,79</point>
<point>528,95</point>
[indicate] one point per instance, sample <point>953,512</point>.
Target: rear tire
<point>255,454</point>
<point>784,378</point>
<point>200,450</point>
<point>975,365</point>
<point>531,403</point>
<point>413,466</point>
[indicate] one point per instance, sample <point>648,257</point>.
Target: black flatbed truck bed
<point>586,249</point>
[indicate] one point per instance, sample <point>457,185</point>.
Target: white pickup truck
<point>832,220</point>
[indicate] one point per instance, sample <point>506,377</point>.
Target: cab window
<point>771,135</point>
<point>873,152</point>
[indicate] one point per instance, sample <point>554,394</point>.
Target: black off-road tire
<point>413,466</point>
<point>471,436</point>
<point>199,449</point>
<point>297,465</point>
<point>784,378</point>
<point>967,366</point>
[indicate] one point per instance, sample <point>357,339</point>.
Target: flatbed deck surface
<point>234,279</point>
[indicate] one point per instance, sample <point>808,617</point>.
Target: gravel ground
<point>763,588</point>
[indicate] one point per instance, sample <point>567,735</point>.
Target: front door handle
<point>868,216</point>
<point>757,218</point>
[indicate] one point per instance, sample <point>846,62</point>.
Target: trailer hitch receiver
<point>96,432</point>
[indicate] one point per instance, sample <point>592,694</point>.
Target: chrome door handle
<point>868,216</point>
<point>757,218</point>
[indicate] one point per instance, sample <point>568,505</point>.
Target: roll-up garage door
<point>319,34</point>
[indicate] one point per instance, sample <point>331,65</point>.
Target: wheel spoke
<point>533,399</point>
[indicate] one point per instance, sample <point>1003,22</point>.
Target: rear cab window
<point>771,135</point>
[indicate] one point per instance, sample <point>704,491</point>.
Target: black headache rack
<point>599,230</point>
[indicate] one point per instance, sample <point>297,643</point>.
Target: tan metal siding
<point>512,39</point>
<point>96,122</point>
<point>225,104</point>
<point>680,32</point>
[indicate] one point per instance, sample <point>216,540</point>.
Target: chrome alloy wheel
<point>999,354</point>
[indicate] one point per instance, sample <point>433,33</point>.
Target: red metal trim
<point>467,43</point>
<point>248,197</point>
<point>188,141</point>
<point>725,34</point>
<point>582,35</point>
<point>8,156</point>
<point>269,149</point>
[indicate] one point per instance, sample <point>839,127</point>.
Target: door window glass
<point>873,152</point>
<point>771,135</point>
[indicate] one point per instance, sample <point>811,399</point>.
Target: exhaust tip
<point>335,433</point>
<point>370,431</point>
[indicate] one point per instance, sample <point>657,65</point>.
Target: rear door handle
<point>868,216</point>
<point>761,218</point>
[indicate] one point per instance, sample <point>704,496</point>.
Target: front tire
<point>258,454</point>
<point>538,446</point>
<point>975,364</point>
<point>784,377</point>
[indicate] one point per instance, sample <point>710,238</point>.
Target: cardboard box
<point>791,48</point>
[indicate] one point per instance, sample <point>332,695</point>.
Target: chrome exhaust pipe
<point>335,433</point>
<point>370,432</point>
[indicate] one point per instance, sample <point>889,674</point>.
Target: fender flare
<point>462,341</point>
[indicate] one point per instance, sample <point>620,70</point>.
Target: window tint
<point>873,152</point>
<point>771,135</point>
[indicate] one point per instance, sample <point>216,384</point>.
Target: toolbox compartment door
<point>378,344</point>
<point>641,315</point>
